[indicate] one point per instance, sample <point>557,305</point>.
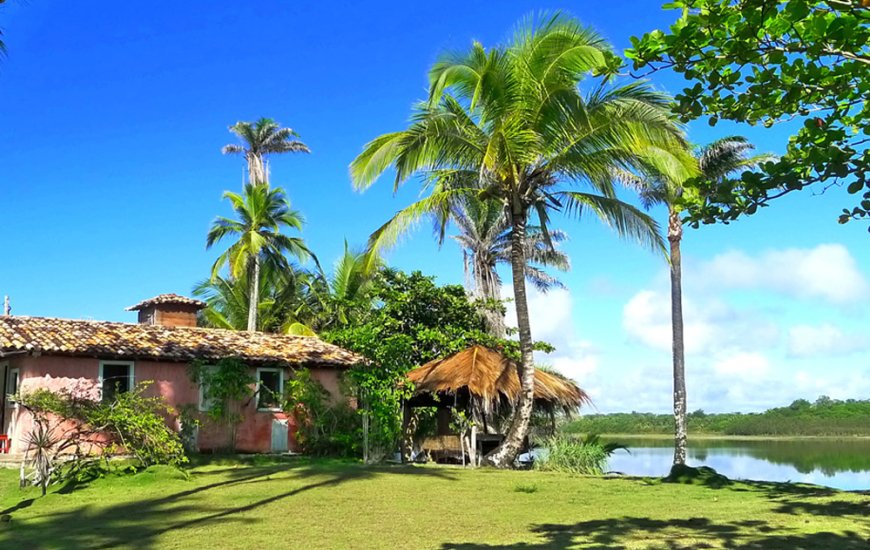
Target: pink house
<point>41,352</point>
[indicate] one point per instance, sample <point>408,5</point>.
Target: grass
<point>271,503</point>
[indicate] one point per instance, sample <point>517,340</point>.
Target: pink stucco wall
<point>170,380</point>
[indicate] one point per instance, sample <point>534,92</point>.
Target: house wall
<point>170,380</point>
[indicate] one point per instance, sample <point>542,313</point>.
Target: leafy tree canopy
<point>768,62</point>
<point>412,320</point>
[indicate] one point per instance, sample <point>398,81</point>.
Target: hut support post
<point>472,448</point>
<point>365,427</point>
<point>407,433</point>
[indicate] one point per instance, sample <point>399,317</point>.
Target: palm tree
<point>344,294</point>
<point>259,139</point>
<point>284,299</point>
<point>262,212</point>
<point>716,162</point>
<point>513,120</point>
<point>485,238</point>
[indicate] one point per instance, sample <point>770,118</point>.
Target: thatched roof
<point>490,376</point>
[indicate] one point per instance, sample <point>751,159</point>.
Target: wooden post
<point>406,435</point>
<point>365,427</point>
<point>472,451</point>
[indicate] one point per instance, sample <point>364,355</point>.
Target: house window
<point>115,377</point>
<point>270,389</point>
<point>206,403</point>
<point>13,381</point>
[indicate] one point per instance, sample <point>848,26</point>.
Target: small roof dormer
<point>168,310</point>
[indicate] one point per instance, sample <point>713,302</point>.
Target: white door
<point>280,432</point>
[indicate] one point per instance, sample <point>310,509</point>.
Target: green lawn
<point>265,503</point>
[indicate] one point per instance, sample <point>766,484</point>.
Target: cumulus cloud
<point>743,353</point>
<point>552,322</point>
<point>827,271</point>
<point>825,340</point>
<point>709,324</point>
<point>736,358</point>
<point>743,364</point>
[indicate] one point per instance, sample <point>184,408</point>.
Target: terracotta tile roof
<point>110,340</point>
<point>167,299</point>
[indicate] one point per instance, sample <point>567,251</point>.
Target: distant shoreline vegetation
<point>824,417</point>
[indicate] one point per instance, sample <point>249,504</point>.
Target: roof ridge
<point>114,338</point>
<point>155,327</point>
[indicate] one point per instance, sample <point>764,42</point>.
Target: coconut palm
<point>485,238</point>
<point>283,299</point>
<point>347,290</point>
<point>513,120</point>
<point>716,162</point>
<point>259,139</point>
<point>262,213</point>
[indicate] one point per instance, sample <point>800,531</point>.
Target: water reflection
<point>843,464</point>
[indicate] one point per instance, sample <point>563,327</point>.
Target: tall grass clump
<point>576,455</point>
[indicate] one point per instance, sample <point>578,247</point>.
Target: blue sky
<point>112,115</point>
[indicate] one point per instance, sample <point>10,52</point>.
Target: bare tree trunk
<point>488,289</point>
<point>254,301</point>
<point>256,169</point>
<point>507,452</point>
<point>675,235</point>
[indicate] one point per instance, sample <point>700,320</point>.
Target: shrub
<point>73,431</point>
<point>565,453</point>
<point>323,428</point>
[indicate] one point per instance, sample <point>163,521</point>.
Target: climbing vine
<point>227,387</point>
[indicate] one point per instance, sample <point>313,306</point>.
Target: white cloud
<point>827,271</point>
<point>824,340</point>
<point>743,364</point>
<point>709,325</point>
<point>552,322</point>
<point>736,357</point>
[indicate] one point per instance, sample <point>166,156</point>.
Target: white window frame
<point>280,372</point>
<point>130,364</point>
<point>13,373</point>
<point>202,403</point>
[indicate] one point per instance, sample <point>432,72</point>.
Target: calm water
<point>842,464</point>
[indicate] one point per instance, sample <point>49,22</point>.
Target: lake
<point>838,463</point>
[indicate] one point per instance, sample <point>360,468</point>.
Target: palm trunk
<point>254,300</point>
<point>675,235</point>
<point>489,290</point>
<point>256,169</point>
<point>507,452</point>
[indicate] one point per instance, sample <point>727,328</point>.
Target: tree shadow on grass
<point>139,522</point>
<point>699,532</point>
<point>674,534</point>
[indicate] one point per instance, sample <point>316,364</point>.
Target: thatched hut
<point>484,384</point>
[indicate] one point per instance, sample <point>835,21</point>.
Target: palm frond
<point>625,219</point>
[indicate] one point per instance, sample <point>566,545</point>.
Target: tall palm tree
<point>259,139</point>
<point>485,238</point>
<point>716,162</point>
<point>513,120</point>
<point>262,213</point>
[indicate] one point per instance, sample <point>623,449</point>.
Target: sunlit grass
<point>264,503</point>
